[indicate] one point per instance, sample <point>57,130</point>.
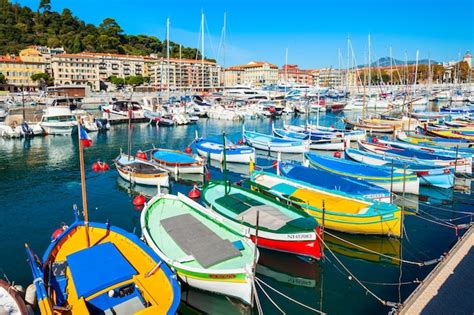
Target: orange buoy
<point>188,150</point>
<point>337,154</point>
<point>194,193</point>
<point>275,164</point>
<point>141,155</point>
<point>139,200</point>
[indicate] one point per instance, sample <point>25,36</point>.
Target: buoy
<point>207,175</point>
<point>194,193</point>
<point>337,154</point>
<point>56,234</point>
<point>375,140</point>
<point>275,164</point>
<point>96,167</point>
<point>188,150</point>
<point>100,166</point>
<point>241,141</point>
<point>139,200</point>
<point>141,155</point>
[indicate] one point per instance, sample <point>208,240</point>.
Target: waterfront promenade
<point>448,288</point>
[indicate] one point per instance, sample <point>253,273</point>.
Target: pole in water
<point>403,194</point>
<point>322,228</point>
<point>456,160</point>
<point>391,184</point>
<point>224,166</point>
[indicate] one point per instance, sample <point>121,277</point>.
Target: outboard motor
<point>26,129</point>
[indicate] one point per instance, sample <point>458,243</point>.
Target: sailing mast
<point>202,51</point>
<point>286,68</point>
<point>391,65</point>
<point>224,34</point>
<point>168,56</point>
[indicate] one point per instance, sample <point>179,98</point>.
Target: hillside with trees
<point>20,26</point>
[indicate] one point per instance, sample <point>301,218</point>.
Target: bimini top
<point>91,268</point>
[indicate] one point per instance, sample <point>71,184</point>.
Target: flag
<point>84,137</point>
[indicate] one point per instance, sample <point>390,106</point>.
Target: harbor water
<point>40,182</point>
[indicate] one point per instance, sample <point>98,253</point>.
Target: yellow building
<point>252,73</point>
<point>19,69</point>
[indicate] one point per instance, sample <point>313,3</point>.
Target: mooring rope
<point>352,276</point>
<point>289,298</point>
<point>269,298</point>
<point>417,263</point>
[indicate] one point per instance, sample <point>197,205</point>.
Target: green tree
<point>3,79</point>
<point>45,5</point>
<point>135,80</point>
<point>43,78</point>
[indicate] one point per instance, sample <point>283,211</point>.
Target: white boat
<point>11,302</point>
<point>215,151</point>
<point>120,109</point>
<point>205,253</point>
<point>141,172</point>
<point>274,144</point>
<point>58,121</point>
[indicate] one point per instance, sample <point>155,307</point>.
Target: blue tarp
<point>98,267</point>
<point>173,157</point>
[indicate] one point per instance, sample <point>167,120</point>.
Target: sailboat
<point>96,268</point>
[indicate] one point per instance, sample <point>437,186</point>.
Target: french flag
<point>84,137</point>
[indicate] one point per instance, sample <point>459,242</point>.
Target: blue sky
<point>313,31</point>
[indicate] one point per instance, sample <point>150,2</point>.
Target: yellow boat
<point>342,212</point>
<point>97,268</point>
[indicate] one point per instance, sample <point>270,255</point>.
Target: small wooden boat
<point>462,165</point>
<point>347,185</point>
<point>177,162</point>
<point>428,174</point>
<point>341,212</point>
<point>351,135</point>
<point>369,127</point>
<point>396,181</point>
<point>140,171</point>
<point>215,151</point>
<point>274,144</point>
<point>420,138</point>
<point>96,268</point>
<point>205,254</point>
<point>281,227</point>
<point>458,134</point>
<point>11,302</point>
<point>316,142</point>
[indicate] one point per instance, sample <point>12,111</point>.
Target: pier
<point>448,288</point>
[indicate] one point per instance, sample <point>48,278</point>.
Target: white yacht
<point>58,120</point>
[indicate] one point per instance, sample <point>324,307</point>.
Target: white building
<point>252,73</point>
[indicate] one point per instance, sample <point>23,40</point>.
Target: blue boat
<point>317,141</point>
<point>274,144</point>
<point>350,186</point>
<point>214,150</point>
<point>177,161</point>
<point>428,174</point>
<point>397,181</point>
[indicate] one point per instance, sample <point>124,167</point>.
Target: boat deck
<point>448,288</point>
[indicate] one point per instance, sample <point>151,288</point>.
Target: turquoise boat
<point>397,182</point>
<point>177,162</point>
<point>205,254</point>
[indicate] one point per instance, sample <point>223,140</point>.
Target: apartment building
<point>293,74</point>
<point>76,69</point>
<point>19,69</point>
<point>252,73</point>
<point>181,74</point>
<point>329,77</point>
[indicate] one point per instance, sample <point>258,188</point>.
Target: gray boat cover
<point>196,239</point>
<point>269,217</point>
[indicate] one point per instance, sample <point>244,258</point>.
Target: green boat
<point>205,253</point>
<point>280,227</point>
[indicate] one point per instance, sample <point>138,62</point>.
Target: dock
<point>448,289</point>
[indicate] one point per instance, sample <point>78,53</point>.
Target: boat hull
<point>305,248</point>
<point>149,180</point>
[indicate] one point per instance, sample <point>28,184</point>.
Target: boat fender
<point>19,289</point>
<point>104,166</point>
<point>194,193</point>
<point>139,200</point>
<point>374,140</point>
<point>241,141</point>
<point>141,155</point>
<point>275,164</point>
<point>30,295</point>
<point>96,166</point>
<point>337,154</point>
<point>188,150</point>
<point>208,175</point>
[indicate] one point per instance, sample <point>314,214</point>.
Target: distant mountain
<point>385,62</point>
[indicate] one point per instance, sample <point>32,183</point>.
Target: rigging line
<point>393,283</point>
<point>269,298</point>
<point>257,299</point>
<point>289,298</point>
<point>209,37</point>
<point>451,226</point>
<point>351,276</point>
<point>374,252</point>
<point>434,207</point>
<point>436,218</point>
